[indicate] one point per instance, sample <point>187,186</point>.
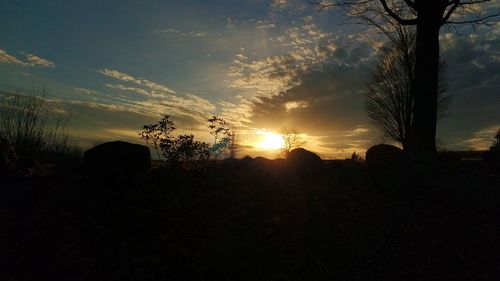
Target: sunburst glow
<point>272,141</point>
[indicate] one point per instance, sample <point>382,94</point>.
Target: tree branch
<point>396,16</point>
<point>455,4</point>
<point>411,4</point>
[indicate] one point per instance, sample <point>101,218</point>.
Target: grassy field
<point>263,221</point>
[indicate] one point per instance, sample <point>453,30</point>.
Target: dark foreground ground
<point>260,222</point>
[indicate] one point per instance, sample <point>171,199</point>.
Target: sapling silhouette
<point>222,134</point>
<point>156,134</point>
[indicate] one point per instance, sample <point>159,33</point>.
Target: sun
<point>272,141</point>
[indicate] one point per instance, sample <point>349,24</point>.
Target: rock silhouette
<point>304,158</point>
<point>118,159</point>
<point>389,167</point>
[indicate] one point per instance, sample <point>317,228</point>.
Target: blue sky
<point>113,66</point>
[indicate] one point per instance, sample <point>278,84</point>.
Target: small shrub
<point>29,129</point>
<point>176,151</point>
<point>184,149</point>
<point>157,134</point>
<point>355,156</point>
<point>224,138</point>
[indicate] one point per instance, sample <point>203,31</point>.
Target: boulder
<point>389,168</point>
<point>384,155</point>
<point>118,160</point>
<point>303,157</point>
<point>305,162</point>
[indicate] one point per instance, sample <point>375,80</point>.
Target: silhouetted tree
<point>221,131</point>
<point>292,139</point>
<point>184,149</point>
<point>174,150</point>
<point>428,17</point>
<point>218,127</point>
<point>156,134</point>
<point>390,100</point>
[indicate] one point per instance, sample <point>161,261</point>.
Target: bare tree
<point>390,99</point>
<point>292,139</point>
<point>428,17</point>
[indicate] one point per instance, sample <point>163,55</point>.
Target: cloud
<point>154,87</point>
<point>303,48</point>
<point>280,3</point>
<point>181,33</point>
<point>307,48</point>
<point>482,139</point>
<point>85,91</point>
<point>9,59</point>
<point>31,60</point>
<point>288,4</point>
<point>265,25</point>
<point>139,91</point>
<point>38,61</point>
<point>327,106</point>
<point>292,105</point>
<point>237,114</point>
<point>156,99</point>
<point>473,74</point>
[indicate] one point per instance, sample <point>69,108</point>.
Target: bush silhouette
<point>176,151</point>
<point>184,149</point>
<point>29,129</point>
<point>118,160</point>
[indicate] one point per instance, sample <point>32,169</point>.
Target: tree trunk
<point>423,138</point>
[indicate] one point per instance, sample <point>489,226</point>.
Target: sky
<point>263,65</point>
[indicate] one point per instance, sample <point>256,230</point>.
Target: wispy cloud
<point>86,91</point>
<point>9,59</point>
<point>139,91</point>
<point>288,4</point>
<point>157,99</point>
<point>482,139</point>
<point>292,105</point>
<point>152,86</point>
<point>38,61</point>
<point>183,33</point>
<point>31,60</point>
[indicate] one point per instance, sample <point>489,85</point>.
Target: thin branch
<point>476,21</point>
